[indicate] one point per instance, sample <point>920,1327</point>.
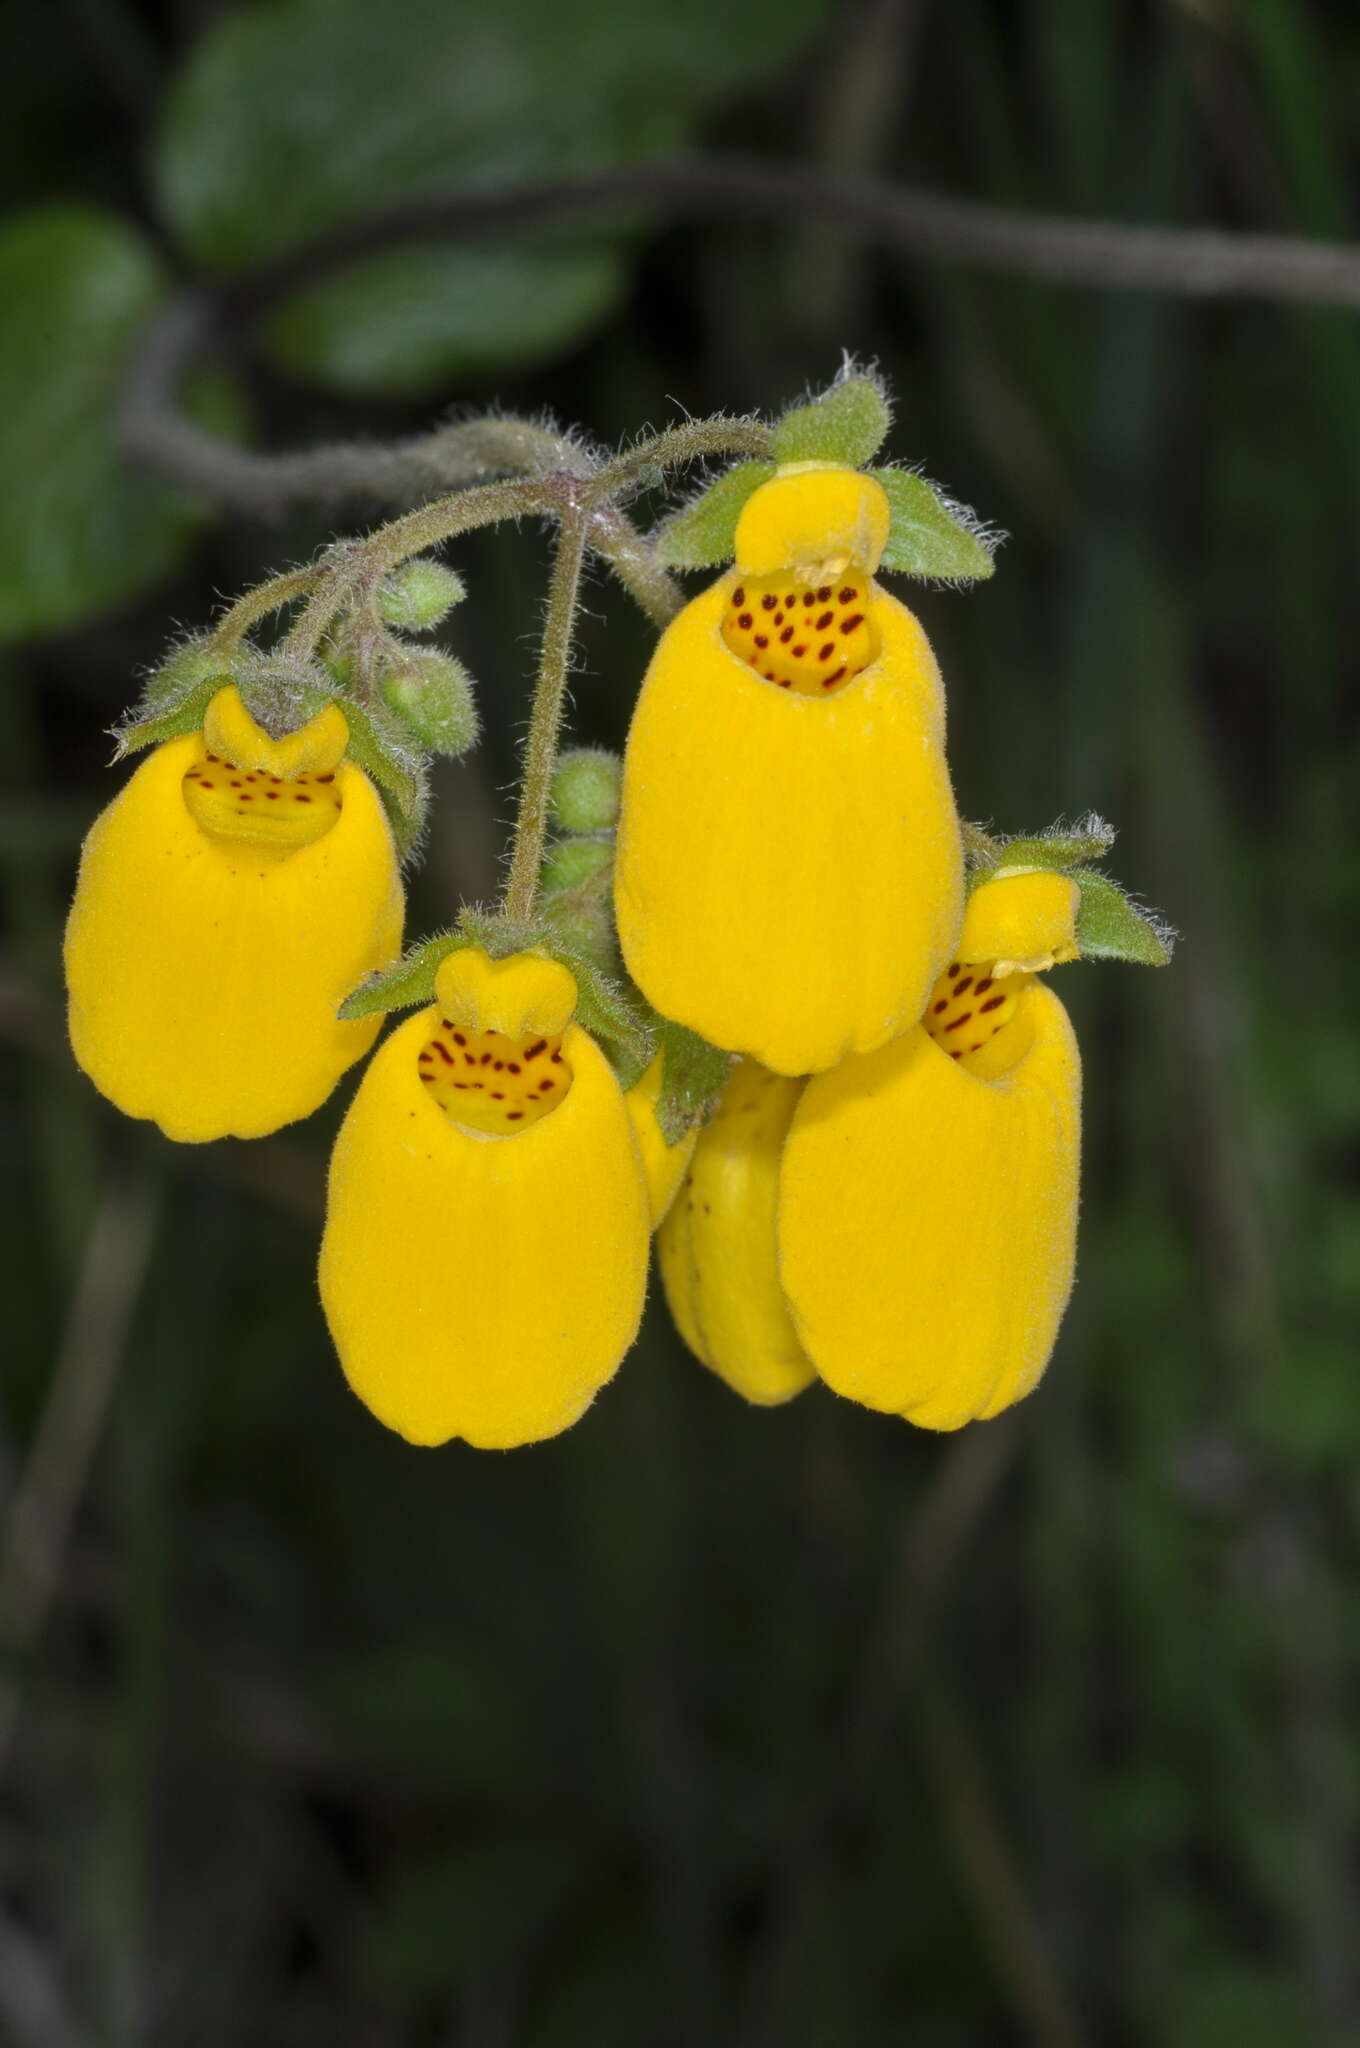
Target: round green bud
<point>432,696</point>
<point>416,596</point>
<point>570,862</point>
<point>585,790</point>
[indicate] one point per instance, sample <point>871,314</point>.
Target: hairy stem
<point>258,603</point>
<point>545,722</point>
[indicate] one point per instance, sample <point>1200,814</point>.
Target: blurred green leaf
<point>80,529</point>
<point>692,1072</point>
<point>455,1918</point>
<point>1110,927</point>
<point>400,322</point>
<point>441,1710</point>
<point>292,117</point>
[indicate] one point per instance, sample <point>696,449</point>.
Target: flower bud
<point>432,695</point>
<point>585,790</point>
<point>416,596</point>
<point>573,861</point>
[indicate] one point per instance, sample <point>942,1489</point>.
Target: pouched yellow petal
<point>476,1286</point>
<point>205,973</point>
<point>717,1245</point>
<point>789,876</point>
<point>230,732</point>
<point>928,1217</point>
<point>812,518</point>
<point>662,1164</point>
<point>1025,919</point>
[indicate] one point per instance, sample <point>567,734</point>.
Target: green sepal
<point>390,766</point>
<point>1089,840</point>
<point>847,424</point>
<point>1111,927</point>
<point>930,535</point>
<point>692,1073</point>
<point>186,714</point>
<point>703,534</point>
<point>408,982</point>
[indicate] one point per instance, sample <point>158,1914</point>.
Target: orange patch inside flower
<point>491,1082</point>
<point>812,641</point>
<point>270,812</point>
<point>968,1008</point>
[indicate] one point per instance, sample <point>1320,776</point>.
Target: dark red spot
<point>496,1095</point>
<point>746,622</point>
<point>855,619</point>
<point>976,1048</point>
<point>957,1055</point>
<point>273,795</point>
<point>994,1004</point>
<point>967,982</point>
<point>512,1068</point>
<point>326,778</point>
<point>514,1116</point>
<point>539,1045</point>
<point>808,598</point>
<point>791,601</point>
<point>799,652</point>
<point>825,621</point>
<point>825,653</point>
<point>739,596</point>
<point>443,1051</point>
<point>545,1086</point>
<point>779,618</point>
<point>499,1065</point>
<point>300,799</point>
<point>762,640</point>
<point>943,1004</point>
<point>471,1058</point>
<point>458,1037</point>
<point>462,1086</point>
<point>246,797</point>
<point>783,682</point>
<point>835,677</point>
<point>486,1059</point>
<point>954,969</point>
<point>824,593</point>
<point>557,1057</point>
<point>985,983</point>
<point>959,1022</point>
<point>767,604</point>
<point>212,757</point>
<point>848,595</point>
<point>235,785</point>
<point>786,635</point>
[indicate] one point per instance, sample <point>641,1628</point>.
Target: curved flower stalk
<point>717,1245</point>
<point>928,1205</point>
<point>789,874</point>
<point>485,1251</point>
<point>228,900</point>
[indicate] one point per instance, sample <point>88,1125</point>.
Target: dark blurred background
<point>705,1724</point>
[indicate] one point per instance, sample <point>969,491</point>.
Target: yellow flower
<point>485,1250</point>
<point>717,1245</point>
<point>789,878</point>
<point>928,1200</point>
<point>228,900</point>
<point>662,1164</point>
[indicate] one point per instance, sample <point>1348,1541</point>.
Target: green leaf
<point>931,535</point>
<point>1089,840</point>
<point>692,1072</point>
<point>849,424</point>
<point>408,982</point>
<point>397,323</point>
<point>387,764</point>
<point>294,116</point>
<point>702,535</point>
<point>605,1011</point>
<point>184,716</point>
<point>1110,927</point>
<point>452,1919</point>
<point>81,529</point>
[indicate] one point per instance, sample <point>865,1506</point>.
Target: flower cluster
<point>768,999</point>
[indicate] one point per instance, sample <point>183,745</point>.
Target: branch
<point>1189,262</point>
